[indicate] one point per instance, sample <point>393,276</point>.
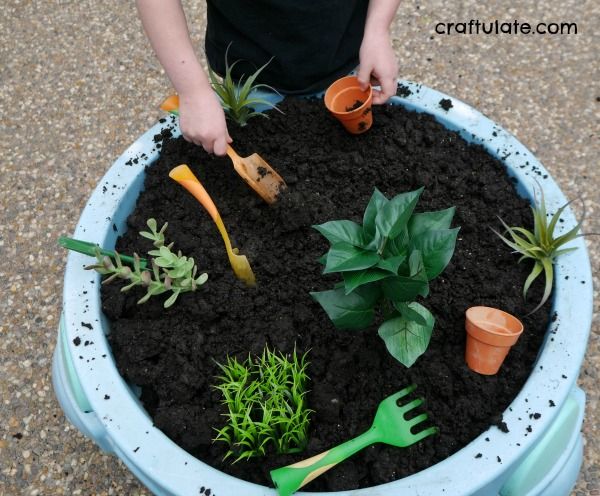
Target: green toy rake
<point>389,427</point>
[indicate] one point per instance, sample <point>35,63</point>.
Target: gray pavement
<point>79,83</point>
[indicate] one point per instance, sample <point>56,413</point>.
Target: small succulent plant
<point>170,271</point>
<point>266,405</point>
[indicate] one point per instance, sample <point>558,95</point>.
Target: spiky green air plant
<point>170,271</point>
<point>541,245</point>
<point>235,97</point>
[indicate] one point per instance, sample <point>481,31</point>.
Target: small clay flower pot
<point>490,335</point>
<point>350,105</point>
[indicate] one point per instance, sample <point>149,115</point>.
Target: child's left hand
<point>378,66</point>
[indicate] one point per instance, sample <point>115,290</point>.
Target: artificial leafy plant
<point>235,97</point>
<point>266,405</point>
<point>170,271</point>
<point>387,263</point>
<point>541,245</point>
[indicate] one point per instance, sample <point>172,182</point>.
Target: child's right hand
<point>202,121</point>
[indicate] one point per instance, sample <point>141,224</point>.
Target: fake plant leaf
<point>218,87</point>
<point>338,231</point>
<point>354,279</point>
<point>397,246</point>
<point>540,218</point>
<point>564,251</point>
<point>344,256</point>
<point>520,243</point>
<point>402,288</point>
<point>393,217</point>
<point>391,264</point>
<point>415,262</point>
<point>182,267</point>
<point>523,232</point>
<point>352,311</point>
<point>376,203</point>
<point>409,313</point>
<point>549,277</point>
<point>568,236</point>
<point>536,271</point>
<point>406,340</point>
<point>436,248</point>
<point>528,251</point>
<point>429,221</point>
<point>171,300</point>
<point>249,86</point>
<point>147,235</point>
<point>556,218</point>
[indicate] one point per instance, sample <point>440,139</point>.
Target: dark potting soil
<point>331,175</point>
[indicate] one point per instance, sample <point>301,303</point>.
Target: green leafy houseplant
<point>266,405</point>
<point>541,245</point>
<point>235,97</point>
<point>387,262</point>
<point>170,271</point>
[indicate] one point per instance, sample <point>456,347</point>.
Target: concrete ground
<point>79,83</point>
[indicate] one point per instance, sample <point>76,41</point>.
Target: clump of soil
<point>354,106</point>
<point>403,91</point>
<point>446,104</point>
<point>330,175</point>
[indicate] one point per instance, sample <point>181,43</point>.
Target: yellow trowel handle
<point>184,176</point>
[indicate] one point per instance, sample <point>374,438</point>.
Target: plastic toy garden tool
<point>88,248</point>
<point>259,175</point>
<point>239,263</point>
<point>389,427</point>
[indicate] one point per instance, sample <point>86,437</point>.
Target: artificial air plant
<point>236,96</point>
<point>542,245</point>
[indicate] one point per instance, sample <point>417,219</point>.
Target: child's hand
<point>378,66</point>
<point>202,121</point>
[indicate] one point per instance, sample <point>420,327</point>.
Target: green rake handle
<point>88,248</point>
<point>289,479</point>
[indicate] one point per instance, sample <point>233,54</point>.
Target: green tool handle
<point>88,248</point>
<point>289,479</point>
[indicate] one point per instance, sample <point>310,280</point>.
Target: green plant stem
<point>382,247</point>
<point>388,308</point>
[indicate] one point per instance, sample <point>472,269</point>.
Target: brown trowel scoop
<point>259,175</point>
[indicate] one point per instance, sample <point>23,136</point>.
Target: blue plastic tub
<point>543,462</point>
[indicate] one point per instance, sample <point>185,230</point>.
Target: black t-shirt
<point>312,42</point>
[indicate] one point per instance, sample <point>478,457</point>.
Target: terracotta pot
<point>490,335</point>
<point>350,105</point>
